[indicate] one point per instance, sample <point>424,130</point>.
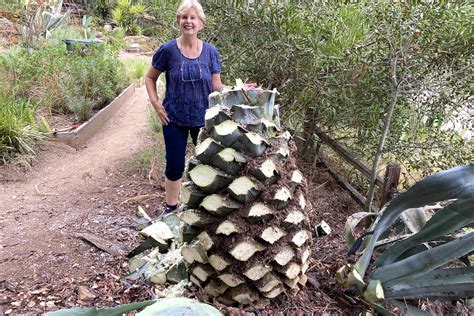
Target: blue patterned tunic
<point>188,82</point>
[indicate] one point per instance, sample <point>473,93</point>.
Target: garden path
<point>67,192</point>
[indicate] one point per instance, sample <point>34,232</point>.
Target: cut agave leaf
<point>114,311</point>
<point>179,306</point>
<point>191,195</point>
<point>352,222</point>
<point>229,160</point>
<point>253,144</point>
<point>209,179</point>
<point>226,132</point>
<point>215,116</point>
<point>207,149</point>
<point>247,114</point>
<point>243,190</point>
<point>219,205</point>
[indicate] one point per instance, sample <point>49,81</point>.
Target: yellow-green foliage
<point>19,129</point>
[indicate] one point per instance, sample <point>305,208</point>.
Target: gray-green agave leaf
<point>456,215</point>
<point>456,283</point>
<point>427,260</point>
<point>352,222</point>
<point>456,183</point>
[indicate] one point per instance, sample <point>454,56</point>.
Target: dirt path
<point>67,192</point>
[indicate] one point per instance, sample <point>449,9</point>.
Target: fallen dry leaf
<point>84,294</point>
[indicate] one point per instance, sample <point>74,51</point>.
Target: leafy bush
<point>332,62</point>
<point>164,12</point>
<point>102,8</point>
<point>32,75</point>
<point>136,68</point>
<point>77,82</point>
<point>19,130</point>
<point>429,263</point>
<point>64,32</point>
<point>127,15</point>
<point>13,6</point>
<point>115,39</point>
<point>91,78</point>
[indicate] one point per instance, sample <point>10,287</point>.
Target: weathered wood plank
<point>344,153</point>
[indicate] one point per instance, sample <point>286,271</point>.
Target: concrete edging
<point>79,136</point>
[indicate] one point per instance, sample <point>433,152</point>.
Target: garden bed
<point>77,137</point>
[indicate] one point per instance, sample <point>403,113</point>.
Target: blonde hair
<point>186,5</point>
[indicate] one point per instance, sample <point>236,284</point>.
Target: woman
<point>192,69</point>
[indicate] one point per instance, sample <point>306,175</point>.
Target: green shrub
<point>102,8</point>
<point>115,39</point>
<point>77,82</point>
<point>61,33</point>
<point>13,6</point>
<point>164,12</point>
<point>32,75</point>
<point>136,68</point>
<point>19,130</point>
<point>127,15</point>
<point>92,77</point>
<point>331,61</point>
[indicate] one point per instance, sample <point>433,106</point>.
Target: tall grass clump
<point>19,130</point>
<point>34,75</point>
<point>136,68</point>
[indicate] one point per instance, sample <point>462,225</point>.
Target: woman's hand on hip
<point>160,110</point>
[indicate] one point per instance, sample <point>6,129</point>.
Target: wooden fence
<point>387,185</point>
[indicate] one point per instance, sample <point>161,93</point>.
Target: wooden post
<point>392,175</point>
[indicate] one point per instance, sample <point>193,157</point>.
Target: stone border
<point>78,137</point>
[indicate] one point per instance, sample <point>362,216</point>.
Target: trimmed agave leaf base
<point>245,203</point>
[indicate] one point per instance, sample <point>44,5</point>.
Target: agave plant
<point>40,21</point>
<point>246,216</point>
<point>432,261</point>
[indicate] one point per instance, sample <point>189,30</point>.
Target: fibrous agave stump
<point>246,227</point>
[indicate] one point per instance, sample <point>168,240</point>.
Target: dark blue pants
<point>176,139</point>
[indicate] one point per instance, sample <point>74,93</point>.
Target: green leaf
<point>427,260</point>
<point>163,307</point>
<point>179,306</point>
<point>114,311</point>
<point>452,284</point>
<point>450,184</point>
<point>406,309</point>
<point>447,220</point>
